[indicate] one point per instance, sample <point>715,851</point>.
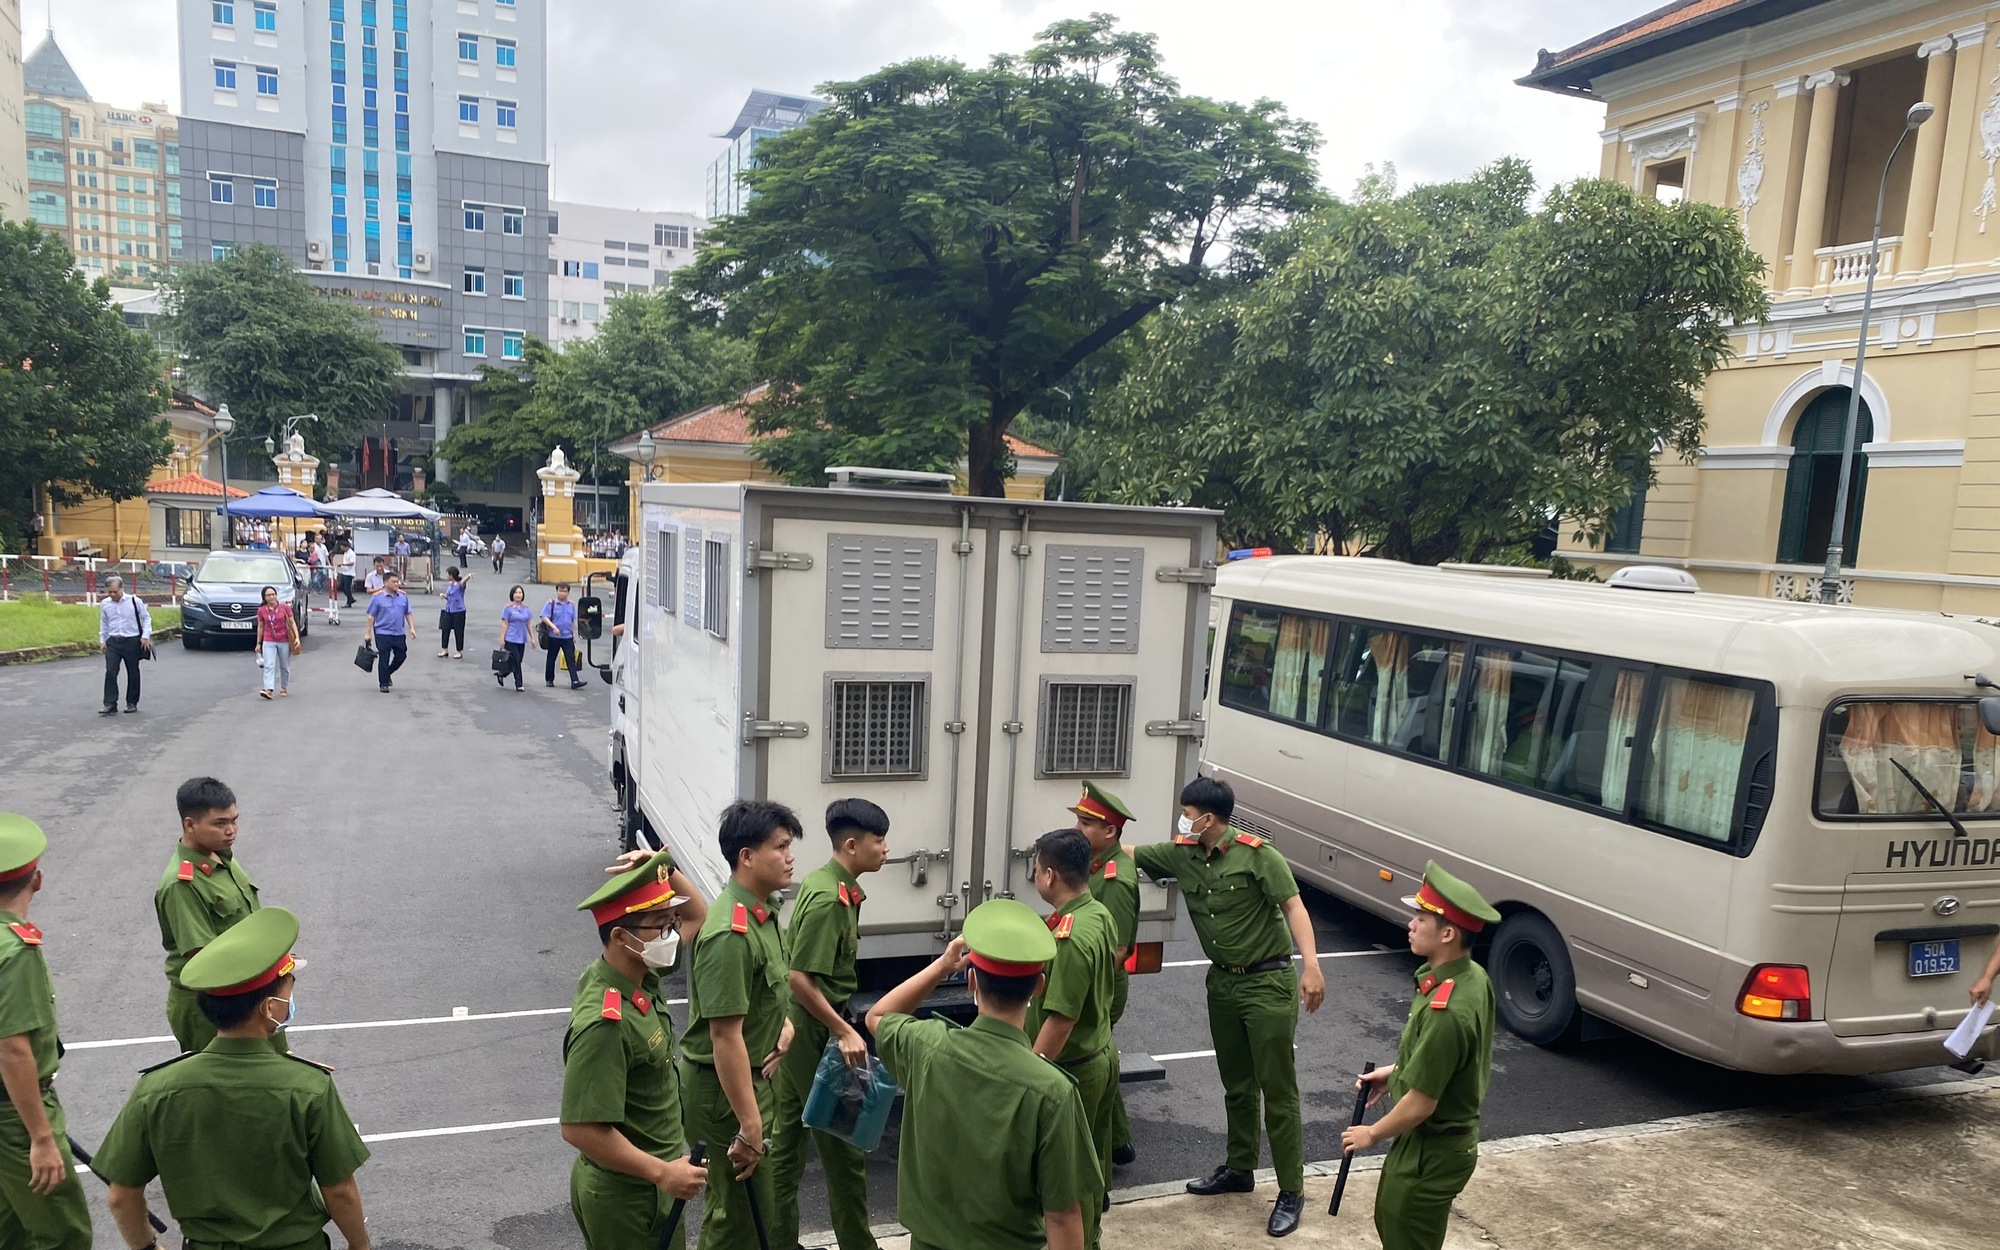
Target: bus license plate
<point>1933,959</point>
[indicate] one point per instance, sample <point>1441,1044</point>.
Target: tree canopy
<point>255,334</point>
<point>80,392</point>
<point>942,246</point>
<point>1435,375</point>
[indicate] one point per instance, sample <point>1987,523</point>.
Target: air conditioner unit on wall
<point>421,262</point>
<point>316,249</point>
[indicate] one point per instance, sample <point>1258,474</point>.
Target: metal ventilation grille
<point>1086,727</point>
<point>691,574</point>
<point>665,580</point>
<point>875,726</point>
<point>1090,598</point>
<point>880,592</point>
<point>715,608</point>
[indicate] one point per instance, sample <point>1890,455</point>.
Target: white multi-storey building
<point>597,254</point>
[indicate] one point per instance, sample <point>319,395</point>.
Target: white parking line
<point>355,1024</point>
<point>456,1130</point>
<point>1203,963</point>
<point>1184,1054</point>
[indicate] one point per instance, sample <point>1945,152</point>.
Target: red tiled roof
<point>1677,14</point>
<point>728,424</point>
<point>193,484</point>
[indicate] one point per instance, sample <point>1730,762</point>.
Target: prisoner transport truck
<point>963,662</point>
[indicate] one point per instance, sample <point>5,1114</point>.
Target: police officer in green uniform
<point>621,1102</point>
<point>203,891</point>
<point>825,937</point>
<point>1070,1019</point>
<point>1114,882</point>
<point>1243,901</point>
<point>1442,1066</point>
<point>737,1031</point>
<point>995,1151</point>
<point>41,1201</point>
<point>253,1147</point>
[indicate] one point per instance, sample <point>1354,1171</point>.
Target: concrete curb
<point>72,650</point>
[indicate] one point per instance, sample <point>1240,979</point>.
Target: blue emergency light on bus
<point>1249,553</point>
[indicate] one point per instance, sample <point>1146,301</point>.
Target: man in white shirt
<point>125,631</point>
<point>499,552</point>
<point>374,581</point>
<point>347,572</point>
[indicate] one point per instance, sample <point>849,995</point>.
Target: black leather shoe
<point>109,709</point>
<point>131,707</point>
<point>1124,1156</point>
<point>1285,1216</point>
<point>1224,1180</point>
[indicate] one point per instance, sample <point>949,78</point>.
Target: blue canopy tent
<point>276,501</point>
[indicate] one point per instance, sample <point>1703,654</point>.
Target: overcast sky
<point>638,88</point>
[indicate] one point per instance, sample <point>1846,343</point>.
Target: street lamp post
<point>225,425</point>
<point>648,448</point>
<point>1829,582</point>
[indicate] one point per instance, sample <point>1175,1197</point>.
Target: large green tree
<point>1435,375</point>
<point>256,335</point>
<point>943,246</point>
<point>80,392</point>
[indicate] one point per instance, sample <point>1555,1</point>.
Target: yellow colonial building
<point>1786,111</point>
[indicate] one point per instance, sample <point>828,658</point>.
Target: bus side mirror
<point>590,618</point>
<point>1989,714</point>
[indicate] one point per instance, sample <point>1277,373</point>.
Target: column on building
<point>1818,170</point>
<point>1928,167</point>
<point>441,418</point>
<point>1960,128</point>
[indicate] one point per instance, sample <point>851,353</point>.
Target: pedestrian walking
<point>389,615</point>
<point>1242,898</point>
<point>125,632</point>
<point>347,571</point>
<point>252,1147</point>
<point>558,626</point>
<point>451,620</point>
<point>737,1031</point>
<point>204,891</point>
<point>1114,882</point>
<point>514,620</point>
<point>402,553</point>
<point>1443,1064</point>
<point>621,1099</point>
<point>994,1149</point>
<point>499,553</point>
<point>464,547</point>
<point>277,643</point>
<point>825,938</point>
<point>41,1200</point>
<point>378,574</point>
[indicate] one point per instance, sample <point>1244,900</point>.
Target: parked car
<point>220,603</point>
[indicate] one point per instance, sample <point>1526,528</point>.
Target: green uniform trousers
<point>1097,1085</point>
<point>846,1168</point>
<point>706,1117</point>
<point>1423,1173</point>
<point>618,1212</point>
<point>32,1221</point>
<point>1121,1124</point>
<point>191,1029</point>
<point>1252,1018</point>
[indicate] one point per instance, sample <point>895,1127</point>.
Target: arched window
<point>1813,479</point>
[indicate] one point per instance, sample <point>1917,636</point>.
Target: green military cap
<point>1445,895</point>
<point>640,889</point>
<point>249,955</point>
<point>1006,938</point>
<point>1100,804</point>
<point>21,845</point>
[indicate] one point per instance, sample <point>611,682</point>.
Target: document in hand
<point>1961,1041</point>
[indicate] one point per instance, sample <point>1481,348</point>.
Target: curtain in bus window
<point>1696,759</point>
<point>1246,664</point>
<point>1492,690</point>
<point>1620,732</point>
<point>1985,795</point>
<point>1391,653</point>
<point>1298,674</point>
<point>1435,665</point>
<point>1923,737</point>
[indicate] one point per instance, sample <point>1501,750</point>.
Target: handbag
<point>502,661</point>
<point>542,629</point>
<point>444,619</point>
<point>364,658</point>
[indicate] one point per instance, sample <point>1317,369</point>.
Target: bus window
<point>1246,665</point>
<point>1594,762</point>
<point>1940,741</point>
<point>1396,689</point>
<point>1521,704</point>
<point>1298,674</point>
<point>1694,762</point>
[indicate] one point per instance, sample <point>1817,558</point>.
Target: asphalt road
<point>434,842</point>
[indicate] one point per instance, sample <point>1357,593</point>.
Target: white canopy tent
<point>381,505</point>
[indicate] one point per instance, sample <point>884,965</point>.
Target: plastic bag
<point>851,1103</point>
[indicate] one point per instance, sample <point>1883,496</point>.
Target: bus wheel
<point>1533,981</point>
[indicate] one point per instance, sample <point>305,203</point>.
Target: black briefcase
<point>364,658</point>
<point>502,661</point>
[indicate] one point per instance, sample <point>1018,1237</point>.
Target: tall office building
<point>597,254</point>
<point>764,115</point>
<point>13,145</point>
<point>104,178</point>
<point>396,151</point>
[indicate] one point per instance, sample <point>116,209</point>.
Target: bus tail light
<point>1145,957</point>
<point>1777,992</point>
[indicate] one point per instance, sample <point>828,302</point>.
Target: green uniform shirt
<point>621,1071</point>
<point>826,931</point>
<point>1114,882</point>
<point>1233,894</point>
<point>237,1134</point>
<point>1447,1046</point>
<point>1081,978</point>
<point>27,998</point>
<point>992,1136</point>
<point>197,903</point>
<point>739,969</point>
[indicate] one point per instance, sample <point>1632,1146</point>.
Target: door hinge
<point>1201,575</point>
<point>1194,728</point>
<point>754,729</point>
<point>797,561</point>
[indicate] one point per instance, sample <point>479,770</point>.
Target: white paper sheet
<point>1962,1038</point>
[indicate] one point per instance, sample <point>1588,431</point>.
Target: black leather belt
<point>1079,1061</point>
<point>1450,1130</point>
<point>1272,964</point>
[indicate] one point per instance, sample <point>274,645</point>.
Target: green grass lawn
<point>41,622</point>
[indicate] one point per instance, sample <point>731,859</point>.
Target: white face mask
<point>291,1008</point>
<point>1186,827</point>
<point>660,952</point>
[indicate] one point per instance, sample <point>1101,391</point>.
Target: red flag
<point>364,459</point>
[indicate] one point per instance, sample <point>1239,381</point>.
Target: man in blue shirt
<point>389,616</point>
<point>559,627</point>
<point>125,631</point>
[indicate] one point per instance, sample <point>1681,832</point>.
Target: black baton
<point>756,1212</point>
<point>1347,1156</point>
<point>680,1204</point>
<point>83,1157</point>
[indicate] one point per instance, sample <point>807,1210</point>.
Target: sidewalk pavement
<point>1912,1167</point>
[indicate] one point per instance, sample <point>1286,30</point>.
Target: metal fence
<point>83,580</point>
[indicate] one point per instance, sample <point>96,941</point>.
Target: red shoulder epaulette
<point>1181,841</point>
<point>1426,985</point>
<point>842,893</point>
<point>1111,870</point>
<point>1250,840</point>
<point>187,870</point>
<point>614,1008</point>
<point>1443,996</point>
<point>27,933</point>
<point>739,920</point>
<point>1062,928</point>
